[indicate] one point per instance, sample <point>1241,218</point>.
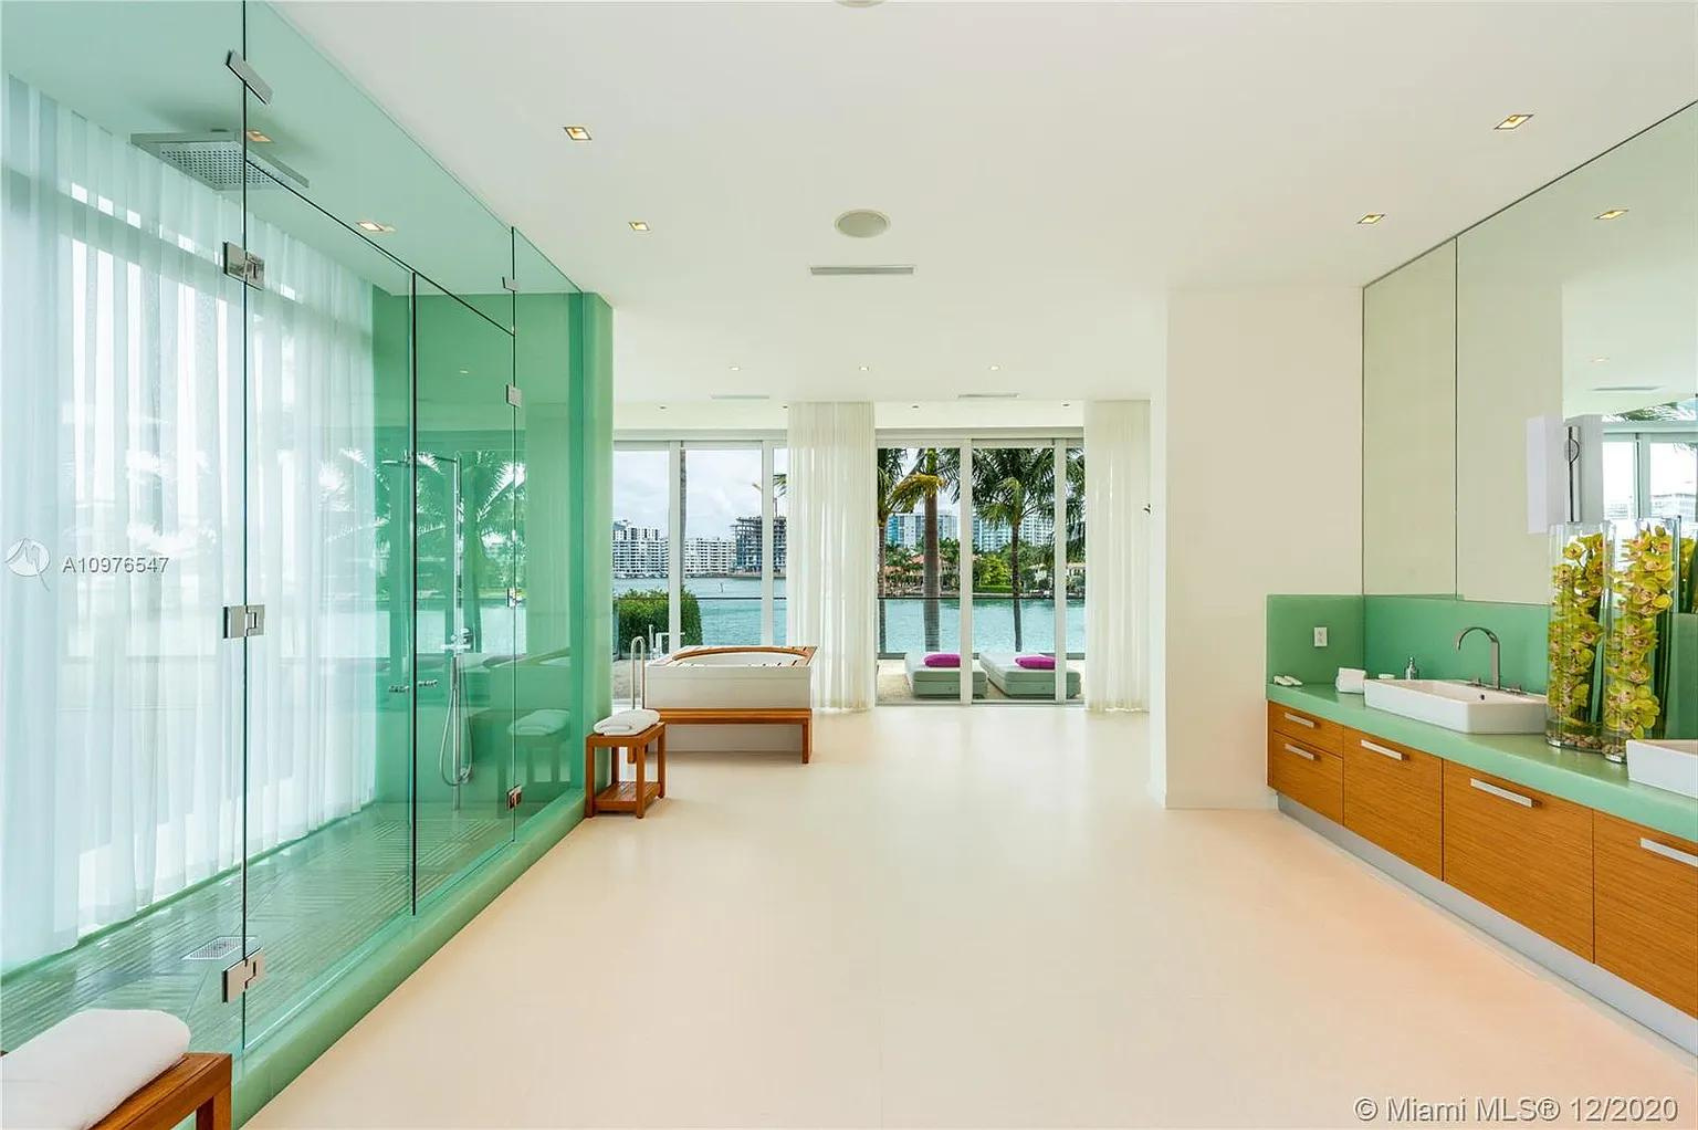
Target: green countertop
<point>1584,778</point>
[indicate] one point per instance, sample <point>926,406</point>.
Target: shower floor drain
<point>225,948</point>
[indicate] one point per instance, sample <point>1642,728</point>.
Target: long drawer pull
<point>1667,852</point>
<point>1501,794</point>
<point>1383,751</point>
<point>1303,753</point>
<point>1300,720</point>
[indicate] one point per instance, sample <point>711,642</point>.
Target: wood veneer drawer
<point>1307,728</point>
<point>1646,886</point>
<point>1394,797</point>
<point>1307,774</point>
<point>1522,852</point>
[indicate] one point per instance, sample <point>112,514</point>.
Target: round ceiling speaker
<point>863,223</point>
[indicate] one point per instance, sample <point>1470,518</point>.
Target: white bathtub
<point>719,678</point>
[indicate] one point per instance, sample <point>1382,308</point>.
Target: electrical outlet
<point>1320,637</point>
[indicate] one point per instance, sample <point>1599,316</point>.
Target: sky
<point>723,486</point>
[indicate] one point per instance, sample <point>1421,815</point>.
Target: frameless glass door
<point>329,487</point>
<point>465,479</point>
<point>121,708</point>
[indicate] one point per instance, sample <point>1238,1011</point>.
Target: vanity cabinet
<point>1524,853</point>
<point>1394,797</point>
<point>1304,762</point>
<point>1647,908</point>
<point>1620,895</point>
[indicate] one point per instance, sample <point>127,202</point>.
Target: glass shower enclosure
<point>280,666</point>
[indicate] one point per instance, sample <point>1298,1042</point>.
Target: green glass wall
<point>394,437</point>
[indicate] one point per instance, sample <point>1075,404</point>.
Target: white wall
<point>1258,438</point>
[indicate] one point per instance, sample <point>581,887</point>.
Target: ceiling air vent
<point>738,396</point>
<point>888,269</point>
<point>215,158</point>
<point>987,396</point>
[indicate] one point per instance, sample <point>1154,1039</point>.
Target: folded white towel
<point>81,1069</point>
<point>539,724</point>
<point>627,722</point>
<point>1349,680</point>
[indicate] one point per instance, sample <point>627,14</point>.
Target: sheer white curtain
<point>833,537</point>
<point>1117,554</point>
<point>124,454</point>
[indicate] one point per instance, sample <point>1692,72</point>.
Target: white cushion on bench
<point>84,1067</point>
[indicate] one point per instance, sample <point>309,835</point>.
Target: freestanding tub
<point>731,678</point>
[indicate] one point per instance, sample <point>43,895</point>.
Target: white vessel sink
<point>1665,764</point>
<point>1458,706</point>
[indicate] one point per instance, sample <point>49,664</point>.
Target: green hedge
<point>636,612</point>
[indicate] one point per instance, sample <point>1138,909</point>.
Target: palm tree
<point>896,493</point>
<point>935,470</point>
<point>1011,484</point>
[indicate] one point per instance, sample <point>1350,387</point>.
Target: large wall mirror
<point>1577,304</point>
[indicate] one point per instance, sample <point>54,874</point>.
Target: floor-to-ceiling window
<point>1650,463</point>
<point>720,583</point>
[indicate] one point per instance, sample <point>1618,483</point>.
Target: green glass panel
<point>465,474</point>
<point>540,679</point>
<point>356,163</point>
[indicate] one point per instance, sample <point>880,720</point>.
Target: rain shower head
<point>216,158</point>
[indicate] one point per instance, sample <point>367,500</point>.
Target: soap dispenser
<point>1411,671</point>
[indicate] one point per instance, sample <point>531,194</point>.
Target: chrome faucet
<point>1491,637</point>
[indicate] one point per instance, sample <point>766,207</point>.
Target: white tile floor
<point>960,918</point>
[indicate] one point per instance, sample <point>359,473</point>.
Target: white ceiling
<point>1052,169</point>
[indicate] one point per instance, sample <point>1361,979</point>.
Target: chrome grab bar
<point>639,672</point>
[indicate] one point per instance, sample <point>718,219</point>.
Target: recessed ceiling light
<point>1514,121</point>
<point>639,225</point>
<point>996,368</point>
<point>578,133</point>
<point>736,368</point>
<point>374,227</point>
<point>863,223</point>
<point>1372,218</point>
<point>860,3</point>
<point>1612,214</point>
<point>864,368</point>
<point>255,135</point>
<point>1599,360</point>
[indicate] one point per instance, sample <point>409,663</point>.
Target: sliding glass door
<point>975,570</point>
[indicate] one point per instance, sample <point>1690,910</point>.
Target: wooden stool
<point>625,796</point>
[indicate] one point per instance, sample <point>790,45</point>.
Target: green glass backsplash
<point>1292,620</point>
<point>1425,627</point>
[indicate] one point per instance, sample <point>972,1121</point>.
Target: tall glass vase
<point>1580,555</point>
<point>1645,589</point>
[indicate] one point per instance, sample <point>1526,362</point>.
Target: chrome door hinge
<point>510,284</point>
<point>243,70</point>
<point>245,972</point>
<point>238,264</point>
<point>515,795</point>
<point>243,620</point>
<point>514,598</point>
<point>515,397</point>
